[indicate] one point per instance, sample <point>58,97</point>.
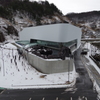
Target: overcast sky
<point>67,6</point>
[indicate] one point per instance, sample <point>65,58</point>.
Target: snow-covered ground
<point>16,73</point>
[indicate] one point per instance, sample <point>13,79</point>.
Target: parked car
<point>84,51</point>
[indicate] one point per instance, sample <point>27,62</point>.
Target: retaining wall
<point>49,65</point>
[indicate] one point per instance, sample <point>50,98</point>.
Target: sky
<point>77,6</point>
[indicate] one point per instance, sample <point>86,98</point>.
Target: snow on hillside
<point>7,30</point>
<point>88,21</point>
<point>3,24</point>
<point>19,21</point>
<point>15,72</point>
<point>23,21</point>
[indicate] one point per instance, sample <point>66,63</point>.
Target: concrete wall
<point>55,32</point>
<point>49,66</point>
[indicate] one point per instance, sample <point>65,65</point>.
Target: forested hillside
<point>34,10</point>
<point>16,14</point>
<point>88,21</point>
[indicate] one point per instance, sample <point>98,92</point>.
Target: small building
<point>49,48</point>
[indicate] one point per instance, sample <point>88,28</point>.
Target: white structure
<point>61,33</point>
<point>50,36</point>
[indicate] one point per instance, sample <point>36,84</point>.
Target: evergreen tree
<point>32,8</point>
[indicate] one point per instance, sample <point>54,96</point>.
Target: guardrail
<point>96,62</point>
<point>91,39</point>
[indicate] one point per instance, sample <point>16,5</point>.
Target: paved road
<point>84,84</point>
<point>83,89</point>
<point>92,70</point>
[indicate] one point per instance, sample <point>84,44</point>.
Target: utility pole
<point>69,69</point>
<point>3,63</point>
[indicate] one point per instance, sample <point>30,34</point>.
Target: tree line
<point>34,9</point>
<point>84,15</point>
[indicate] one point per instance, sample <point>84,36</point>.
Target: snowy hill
<point>15,16</point>
<point>88,21</point>
<point>7,30</point>
<point>23,13</point>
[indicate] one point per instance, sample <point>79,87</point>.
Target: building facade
<point>49,47</point>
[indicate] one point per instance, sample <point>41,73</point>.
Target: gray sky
<point>67,6</point>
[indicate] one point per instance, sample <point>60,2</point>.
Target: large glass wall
<point>55,45</point>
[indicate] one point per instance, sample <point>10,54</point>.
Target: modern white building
<point>61,33</point>
<point>50,38</point>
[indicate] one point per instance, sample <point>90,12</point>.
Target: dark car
<point>84,51</point>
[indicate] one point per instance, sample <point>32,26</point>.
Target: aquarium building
<point>49,48</point>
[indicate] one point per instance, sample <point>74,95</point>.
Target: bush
<point>2,38</point>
